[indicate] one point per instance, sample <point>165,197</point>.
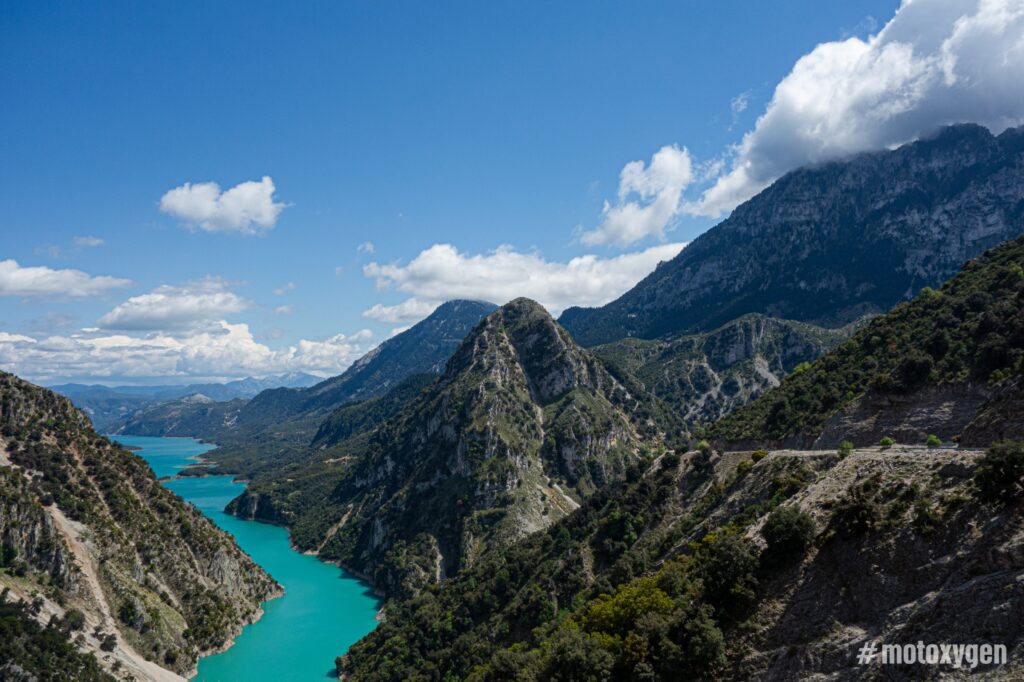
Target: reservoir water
<point>323,611</point>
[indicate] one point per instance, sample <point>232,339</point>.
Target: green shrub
<point>725,562</point>
<point>854,514</point>
<point>788,531</point>
<point>925,515</point>
<point>933,441</point>
<point>758,455</point>
<point>886,442</point>
<point>845,448</point>
<point>1000,474</point>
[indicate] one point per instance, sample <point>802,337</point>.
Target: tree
<point>1000,474</point>
<point>788,532</point>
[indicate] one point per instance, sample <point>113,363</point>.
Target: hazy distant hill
<point>106,405</point>
<point>280,419</point>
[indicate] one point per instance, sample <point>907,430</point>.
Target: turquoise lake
<point>323,611</point>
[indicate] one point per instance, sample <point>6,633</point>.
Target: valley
<point>709,475</point>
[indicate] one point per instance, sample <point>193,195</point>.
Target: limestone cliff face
<point>829,243</point>
<point>86,524</point>
<point>705,376</point>
<point>522,424</point>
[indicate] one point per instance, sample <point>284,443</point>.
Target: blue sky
<point>403,124</point>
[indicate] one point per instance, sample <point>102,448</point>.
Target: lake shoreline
<point>324,607</point>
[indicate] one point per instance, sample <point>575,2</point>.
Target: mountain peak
<point>831,242</point>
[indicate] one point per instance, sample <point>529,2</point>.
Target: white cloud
<point>740,102</point>
<point>248,207</point>
<point>88,241</point>
<point>442,273</point>
<point>175,308</point>
<point>283,310</point>
<point>366,247</point>
<point>648,199</point>
<point>16,280</point>
<point>937,62</point>
<point>287,288</point>
<point>221,351</point>
<point>412,309</point>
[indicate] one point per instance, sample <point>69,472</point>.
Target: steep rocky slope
<point>85,528</point>
<point>705,376</point>
<point>776,566</point>
<point>829,243</point>
<point>522,425</point>
<point>947,363</point>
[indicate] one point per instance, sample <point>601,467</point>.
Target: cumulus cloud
<point>442,273</point>
<point>88,241</point>
<point>366,247</point>
<point>248,207</point>
<point>935,63</point>
<point>286,289</point>
<point>175,308</point>
<point>42,281</point>
<point>283,310</point>
<point>221,351</point>
<point>411,309</point>
<point>648,199</point>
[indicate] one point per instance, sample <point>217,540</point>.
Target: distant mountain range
<point>830,243</point>
<point>106,405</point>
<point>283,420</point>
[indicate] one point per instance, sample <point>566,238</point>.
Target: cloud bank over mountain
<point>936,62</point>
<point>442,272</point>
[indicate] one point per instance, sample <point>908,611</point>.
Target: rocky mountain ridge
<point>521,426</point>
<point>829,243</point>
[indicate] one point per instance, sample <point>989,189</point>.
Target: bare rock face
<point>705,376</point>
<point>829,243</point>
